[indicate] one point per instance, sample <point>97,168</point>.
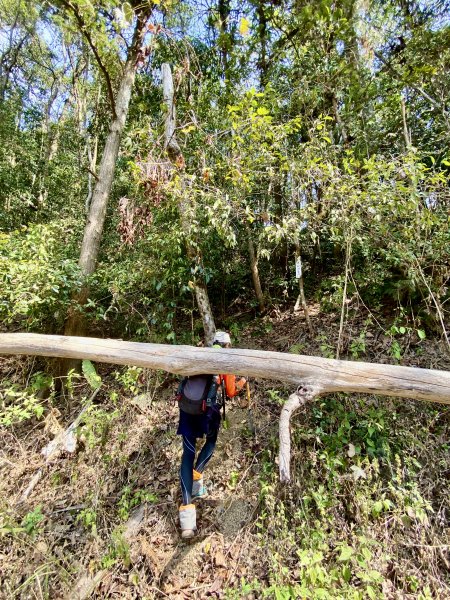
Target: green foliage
<point>36,276</point>
<point>96,424</point>
<point>234,479</point>
<point>131,498</point>
<point>358,346</point>
<point>32,521</point>
<point>351,479</point>
<point>88,518</point>
<point>118,550</point>
<point>315,155</point>
<point>91,375</point>
<point>130,378</point>
<point>19,404</point>
<point>326,348</point>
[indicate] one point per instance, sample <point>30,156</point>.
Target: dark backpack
<point>194,392</point>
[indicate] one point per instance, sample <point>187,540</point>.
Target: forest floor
<point>367,514</point>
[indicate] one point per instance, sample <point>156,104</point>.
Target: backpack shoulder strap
<point>181,385</point>
<point>224,395</point>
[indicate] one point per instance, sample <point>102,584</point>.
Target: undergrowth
<point>365,516</point>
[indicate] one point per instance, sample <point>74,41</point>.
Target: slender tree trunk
<point>406,132</point>
<point>52,144</point>
<point>301,300</point>
<point>75,324</point>
<point>186,204</point>
<point>9,60</point>
<point>262,34</point>
<point>204,307</point>
<point>91,150</point>
<point>254,269</point>
<point>224,9</point>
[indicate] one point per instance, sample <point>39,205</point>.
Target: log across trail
<point>317,375</point>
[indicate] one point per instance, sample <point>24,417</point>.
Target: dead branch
<point>295,401</point>
<point>66,440</point>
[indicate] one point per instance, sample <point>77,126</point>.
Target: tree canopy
<point>319,127</point>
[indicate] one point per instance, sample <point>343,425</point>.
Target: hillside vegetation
<point>277,169</point>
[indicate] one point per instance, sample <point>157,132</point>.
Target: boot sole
<point>187,534</point>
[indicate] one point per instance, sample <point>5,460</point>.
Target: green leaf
<point>421,334</point>
<point>346,573</point>
<point>94,380</point>
<point>367,553</point>
<point>346,553</point>
<point>377,508</point>
<point>128,12</point>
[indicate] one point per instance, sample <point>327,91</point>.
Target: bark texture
<point>301,300</point>
<point>295,401</point>
<point>319,374</point>
<point>254,269</point>
<point>75,324</point>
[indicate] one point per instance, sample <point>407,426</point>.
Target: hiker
<point>200,401</point>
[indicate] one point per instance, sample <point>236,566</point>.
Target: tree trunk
<point>186,204</point>
<point>225,43</point>
<point>318,375</point>
<point>262,34</point>
<point>75,324</point>
<point>254,269</point>
<point>204,307</point>
<point>301,296</point>
<point>406,131</point>
<point>52,143</point>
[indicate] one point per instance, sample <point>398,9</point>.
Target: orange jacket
<point>232,387</point>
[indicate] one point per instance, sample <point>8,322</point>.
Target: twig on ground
<point>65,440</point>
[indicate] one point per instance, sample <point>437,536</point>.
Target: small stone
<point>42,547</point>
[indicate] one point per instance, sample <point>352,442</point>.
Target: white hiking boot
<point>188,521</point>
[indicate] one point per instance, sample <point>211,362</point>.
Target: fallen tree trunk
<point>322,374</point>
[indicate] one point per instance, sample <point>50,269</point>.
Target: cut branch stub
<point>294,402</point>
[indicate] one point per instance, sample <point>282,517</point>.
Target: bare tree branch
<point>295,401</point>
<point>415,87</point>
<point>84,30</point>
